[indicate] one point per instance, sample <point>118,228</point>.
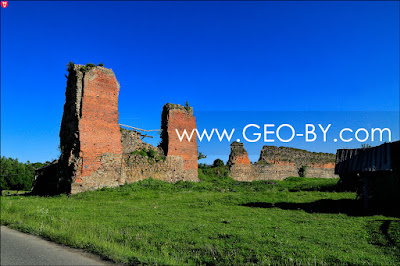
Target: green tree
<point>15,175</point>
<point>218,163</point>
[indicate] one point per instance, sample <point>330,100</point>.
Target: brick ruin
<point>173,160</point>
<point>96,152</point>
<point>239,164</point>
<point>278,163</point>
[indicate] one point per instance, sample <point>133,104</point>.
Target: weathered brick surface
<point>95,116</point>
<point>321,172</point>
<point>238,154</point>
<point>239,164</point>
<point>299,157</point>
<point>279,163</point>
<point>90,138</point>
<point>176,117</point>
<point>99,131</point>
<point>173,160</point>
<point>132,141</point>
<point>274,171</point>
<point>169,169</point>
<point>109,173</point>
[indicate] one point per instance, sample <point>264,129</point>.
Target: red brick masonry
<point>99,131</point>
<point>182,120</point>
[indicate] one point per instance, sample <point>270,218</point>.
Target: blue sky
<point>218,56</point>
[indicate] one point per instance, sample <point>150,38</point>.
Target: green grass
<point>13,192</point>
<point>215,221</point>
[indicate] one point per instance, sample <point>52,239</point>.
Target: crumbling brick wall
<point>142,160</point>
<point>90,139</point>
<point>173,160</point>
<point>138,167</point>
<point>279,163</point>
<point>96,152</point>
<point>131,141</point>
<point>278,170</point>
<point>175,118</point>
<point>299,157</point>
<point>239,164</point>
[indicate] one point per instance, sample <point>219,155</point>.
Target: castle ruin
<point>278,163</point>
<point>96,152</point>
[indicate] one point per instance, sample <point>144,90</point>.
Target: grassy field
<point>216,221</point>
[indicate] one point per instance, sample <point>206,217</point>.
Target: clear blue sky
<point>218,56</point>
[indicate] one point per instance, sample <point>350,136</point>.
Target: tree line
<point>15,175</point>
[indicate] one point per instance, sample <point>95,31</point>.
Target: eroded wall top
<point>273,154</point>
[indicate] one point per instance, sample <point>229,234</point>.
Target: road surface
<point>23,249</point>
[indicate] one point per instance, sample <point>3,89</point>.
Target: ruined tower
<point>93,152</point>
<point>90,138</point>
<point>278,163</point>
<point>239,163</point>
<point>176,119</point>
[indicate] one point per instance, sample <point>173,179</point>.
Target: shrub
<point>187,106</point>
<point>204,166</point>
<point>218,163</point>
<point>302,171</point>
<point>141,152</point>
<point>151,153</point>
<point>161,158</point>
<point>87,67</point>
<point>70,66</point>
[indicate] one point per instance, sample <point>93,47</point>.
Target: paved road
<point>23,249</point>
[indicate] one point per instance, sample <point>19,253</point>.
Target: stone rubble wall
<point>172,166</point>
<point>278,163</point>
<point>132,141</point>
<point>169,169</point>
<point>297,156</point>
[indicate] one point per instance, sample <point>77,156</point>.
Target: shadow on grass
<point>12,194</point>
<point>29,194</point>
<point>323,188</point>
<point>345,206</point>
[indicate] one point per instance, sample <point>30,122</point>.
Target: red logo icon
<point>4,4</point>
